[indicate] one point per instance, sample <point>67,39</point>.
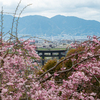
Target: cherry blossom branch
<point>77,91</point>
<point>94,76</point>
<point>59,72</point>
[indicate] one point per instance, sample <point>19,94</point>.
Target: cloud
<point>87,9</point>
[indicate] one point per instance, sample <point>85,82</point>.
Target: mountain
<point>56,26</point>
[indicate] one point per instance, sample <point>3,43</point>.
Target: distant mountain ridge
<point>58,25</point>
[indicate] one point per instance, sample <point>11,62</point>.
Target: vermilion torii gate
<point>51,53</point>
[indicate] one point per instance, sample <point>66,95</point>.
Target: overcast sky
<point>86,9</point>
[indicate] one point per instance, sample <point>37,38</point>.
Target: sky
<point>86,9</point>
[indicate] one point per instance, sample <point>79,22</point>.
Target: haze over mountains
<point>56,26</point>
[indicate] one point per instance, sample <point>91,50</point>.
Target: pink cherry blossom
<point>4,90</point>
<point>9,83</point>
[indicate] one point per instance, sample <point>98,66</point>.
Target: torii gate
<point>51,53</point>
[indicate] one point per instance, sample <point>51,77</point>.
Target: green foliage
<point>71,51</point>
<point>75,50</point>
<point>68,63</point>
<point>50,64</point>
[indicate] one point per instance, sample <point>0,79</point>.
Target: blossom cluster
<point>19,79</point>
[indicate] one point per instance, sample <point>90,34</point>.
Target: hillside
<point>58,25</point>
